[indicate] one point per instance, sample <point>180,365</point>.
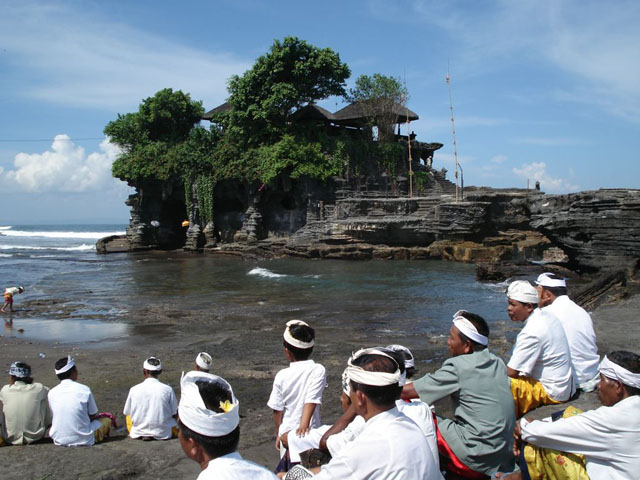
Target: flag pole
<point>453,127</point>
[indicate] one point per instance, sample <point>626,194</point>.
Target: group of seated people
<point>387,429</point>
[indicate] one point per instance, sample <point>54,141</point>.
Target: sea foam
<point>263,272</point>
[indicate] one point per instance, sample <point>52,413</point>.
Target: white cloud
<point>83,61</point>
<point>64,168</point>
<point>537,171</point>
<point>499,159</point>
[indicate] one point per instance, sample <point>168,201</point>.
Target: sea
<point>85,296</point>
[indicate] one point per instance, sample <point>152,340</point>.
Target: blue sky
<point>544,90</point>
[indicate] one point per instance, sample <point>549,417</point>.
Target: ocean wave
<point>263,272</point>
<point>5,255</point>
<point>6,227</point>
<point>87,235</point>
<point>82,247</point>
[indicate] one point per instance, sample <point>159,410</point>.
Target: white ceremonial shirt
<point>608,437</point>
<point>542,353</point>
<point>71,404</point>
<point>578,328</point>
<point>302,382</point>
<point>12,290</point>
<point>232,467</point>
<point>389,447</point>
<point>151,405</point>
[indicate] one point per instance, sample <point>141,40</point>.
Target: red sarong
<point>451,462</point>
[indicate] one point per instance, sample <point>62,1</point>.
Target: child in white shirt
<point>297,390</point>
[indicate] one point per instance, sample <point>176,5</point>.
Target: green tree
<point>290,75</point>
<point>380,98</point>
<point>158,140</point>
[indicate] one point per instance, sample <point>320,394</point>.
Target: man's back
<point>233,466</point>
<point>481,432</point>
<point>151,405</point>
<point>26,412</point>
<point>71,405</point>
<point>391,446</point>
<point>578,327</point>
<point>541,352</point>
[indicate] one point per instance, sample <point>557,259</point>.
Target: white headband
<point>468,329</point>
<point>345,383</point>
<point>294,341</point>
<point>545,281</point>
<point>152,368</point>
<point>408,362</point>
<point>616,372</point>
<point>194,414</point>
<point>204,360</point>
<point>522,291</point>
<point>70,364</point>
<point>374,379</point>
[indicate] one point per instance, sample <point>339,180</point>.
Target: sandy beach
<point>247,357</point>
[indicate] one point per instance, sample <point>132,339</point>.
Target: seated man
<point>390,445</point>
<point>540,365</point>
<point>608,437</point>
<point>577,325</point>
<point>25,407</point>
<point>478,441</point>
<point>151,408</point>
<point>210,431</point>
<point>75,414</point>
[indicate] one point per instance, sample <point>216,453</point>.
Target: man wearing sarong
<point>597,444</point>
<point>25,407</point>
<point>209,423</point>
<point>9,292</point>
<point>540,366</point>
<point>577,325</point>
<point>478,441</point>
<point>151,408</point>
<point>75,414</point>
<point>390,445</point>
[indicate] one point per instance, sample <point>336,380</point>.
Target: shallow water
<point>98,294</point>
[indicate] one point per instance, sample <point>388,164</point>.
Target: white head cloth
<point>345,383</point>
<point>468,329</point>
<point>522,291</point>
<point>545,280</point>
<point>194,414</point>
<point>70,364</point>
<point>373,379</point>
<point>19,372</point>
<point>294,341</point>
<point>614,371</point>
<point>152,368</point>
<point>204,361</point>
<point>408,362</point>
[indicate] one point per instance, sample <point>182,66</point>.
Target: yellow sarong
<point>529,394</point>
<point>546,463</point>
<point>103,431</point>
<point>174,430</point>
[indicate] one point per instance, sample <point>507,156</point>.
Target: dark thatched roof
<point>355,113</point>
<point>225,107</point>
<point>312,112</point>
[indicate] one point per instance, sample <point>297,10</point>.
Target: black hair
<point>380,396</point>
<point>555,291</point>
<point>304,333</point>
<point>404,355</point>
<point>212,394</point>
<point>481,326</point>
<point>629,361</point>
<point>65,375</point>
<point>27,380</point>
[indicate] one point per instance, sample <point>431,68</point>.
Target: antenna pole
<point>408,140</point>
<point>453,127</point>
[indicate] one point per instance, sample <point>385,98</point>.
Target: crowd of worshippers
<point>387,429</point>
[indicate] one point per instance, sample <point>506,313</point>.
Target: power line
<point>51,139</point>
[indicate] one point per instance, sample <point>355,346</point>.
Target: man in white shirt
<point>209,429</point>
<point>25,407</point>
<point>9,292</point>
<point>577,325</point>
<point>151,408</point>
<point>608,437</point>
<point>540,365</point>
<point>75,414</point>
<point>390,445</point>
